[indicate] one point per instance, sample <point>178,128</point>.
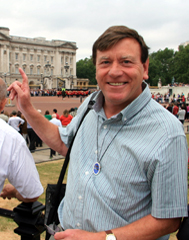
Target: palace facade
<point>48,64</point>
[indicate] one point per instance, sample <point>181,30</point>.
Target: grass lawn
<point>187,137</point>
<point>49,173</point>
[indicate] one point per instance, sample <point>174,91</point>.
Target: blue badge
<point>96,168</point>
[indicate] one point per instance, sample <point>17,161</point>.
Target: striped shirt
<point>143,156</point>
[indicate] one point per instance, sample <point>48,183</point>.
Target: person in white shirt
<point>15,121</point>
<point>57,122</point>
<point>16,162</point>
<point>182,114</point>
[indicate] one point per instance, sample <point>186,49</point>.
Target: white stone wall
<point>32,56</point>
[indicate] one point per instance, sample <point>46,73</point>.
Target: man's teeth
<point>116,84</point>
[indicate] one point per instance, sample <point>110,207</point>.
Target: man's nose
<point>115,70</point>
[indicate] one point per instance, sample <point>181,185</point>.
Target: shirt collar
<point>132,109</point>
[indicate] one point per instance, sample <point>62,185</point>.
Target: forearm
<point>9,191</point>
<point>147,228</point>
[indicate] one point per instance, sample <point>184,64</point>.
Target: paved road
<point>49,103</point>
<point>42,154</point>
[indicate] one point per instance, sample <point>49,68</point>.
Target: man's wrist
<point>110,235</point>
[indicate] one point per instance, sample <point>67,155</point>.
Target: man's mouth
<point>116,84</point>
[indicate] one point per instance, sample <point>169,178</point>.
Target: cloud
<point>162,23</point>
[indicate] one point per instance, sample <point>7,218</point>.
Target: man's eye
<point>126,61</point>
<point>105,62</point>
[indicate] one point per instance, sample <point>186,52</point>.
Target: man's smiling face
<point>120,72</point>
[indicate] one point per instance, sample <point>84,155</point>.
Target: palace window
<point>16,56</point>
<point>16,70</point>
<point>38,71</point>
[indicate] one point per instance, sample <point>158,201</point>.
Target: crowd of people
<point>60,92</point>
<point>17,120</point>
<point>180,110</point>
<point>166,98</point>
<point>176,105</point>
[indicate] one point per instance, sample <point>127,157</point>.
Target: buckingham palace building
<point>48,64</point>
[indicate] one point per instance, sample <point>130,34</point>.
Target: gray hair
<point>3,90</point>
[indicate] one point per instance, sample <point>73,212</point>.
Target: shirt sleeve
<point>169,184</point>
<point>22,172</point>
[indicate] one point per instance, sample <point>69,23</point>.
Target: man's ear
<point>146,66</point>
<point>2,104</point>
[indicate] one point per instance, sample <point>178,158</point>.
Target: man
<point>15,121</point>
<point>55,112</point>
<point>16,162</point>
<point>57,122</point>
<point>175,109</point>
<point>128,164</point>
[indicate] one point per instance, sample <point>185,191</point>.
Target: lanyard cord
<point>98,155</point>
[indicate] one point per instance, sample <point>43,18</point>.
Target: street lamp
<point>42,80</point>
<point>5,77</point>
<point>72,82</point>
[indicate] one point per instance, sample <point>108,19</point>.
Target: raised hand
<point>21,92</point>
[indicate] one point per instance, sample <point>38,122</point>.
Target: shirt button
<point>78,224</point>
<point>125,119</point>
<point>86,173</point>
<point>96,151</point>
<point>105,126</point>
<point>80,197</point>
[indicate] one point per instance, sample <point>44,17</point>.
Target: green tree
<point>180,68</point>
<point>86,69</point>
<point>154,71</point>
<point>160,66</point>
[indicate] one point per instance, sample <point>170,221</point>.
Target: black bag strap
<point>55,200</point>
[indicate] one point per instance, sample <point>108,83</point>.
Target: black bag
<point>56,192</point>
<point>50,191</point>
<point>183,233</point>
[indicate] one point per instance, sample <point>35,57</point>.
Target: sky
<point>162,23</point>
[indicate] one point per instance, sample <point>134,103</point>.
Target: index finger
<point>24,77</point>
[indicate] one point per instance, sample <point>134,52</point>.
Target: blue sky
<point>163,23</point>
